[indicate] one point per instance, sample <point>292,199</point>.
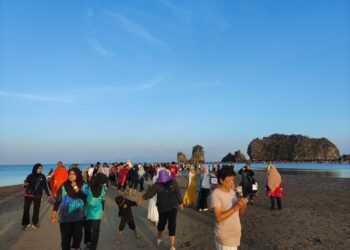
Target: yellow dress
<point>189,199</point>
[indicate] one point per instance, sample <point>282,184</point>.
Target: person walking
<point>168,201</point>
<point>94,209</point>
<point>70,202</point>
<point>35,183</point>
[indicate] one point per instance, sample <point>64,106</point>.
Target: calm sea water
<point>16,174</point>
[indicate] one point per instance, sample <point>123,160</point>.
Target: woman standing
<point>168,200</point>
<point>94,210</point>
<point>227,211</point>
<point>190,193</point>
<point>34,184</point>
<point>203,189</point>
<point>70,201</point>
<point>274,186</point>
<point>141,175</point>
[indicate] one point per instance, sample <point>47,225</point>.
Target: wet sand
<point>316,215</point>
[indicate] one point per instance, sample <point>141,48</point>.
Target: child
<point>125,214</point>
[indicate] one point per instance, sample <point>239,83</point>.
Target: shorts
<point>130,222</point>
<point>121,186</point>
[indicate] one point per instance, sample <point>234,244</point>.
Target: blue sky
<point>142,80</point>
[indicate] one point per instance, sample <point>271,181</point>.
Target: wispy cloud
<point>41,98</point>
<point>178,11</point>
<point>98,47</point>
<point>121,88</point>
<point>135,28</point>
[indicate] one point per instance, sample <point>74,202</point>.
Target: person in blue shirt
<point>94,209</point>
<point>70,201</point>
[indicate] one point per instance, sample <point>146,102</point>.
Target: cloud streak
<point>135,28</point>
<point>40,98</point>
<point>98,47</point>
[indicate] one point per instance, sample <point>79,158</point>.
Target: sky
<point>82,81</point>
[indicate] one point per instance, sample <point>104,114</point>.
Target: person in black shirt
<point>34,184</point>
<point>247,182</point>
<point>125,214</point>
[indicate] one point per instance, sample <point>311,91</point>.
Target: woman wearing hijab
<point>168,201</point>
<point>190,194</point>
<point>94,209</point>
<point>34,184</point>
<point>141,174</point>
<point>71,198</point>
<point>274,186</point>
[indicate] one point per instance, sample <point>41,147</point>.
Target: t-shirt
<point>125,209</point>
<point>173,170</point>
<point>227,232</point>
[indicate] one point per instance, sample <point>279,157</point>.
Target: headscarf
<point>68,184</point>
<point>35,168</point>
<point>141,171</point>
<point>96,184</point>
<point>273,177</point>
<point>192,170</point>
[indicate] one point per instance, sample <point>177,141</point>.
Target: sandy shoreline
<point>316,215</point>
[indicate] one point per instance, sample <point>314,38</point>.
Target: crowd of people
<point>78,198</point>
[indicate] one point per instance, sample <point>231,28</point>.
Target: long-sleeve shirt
<point>95,205</point>
<point>168,195</point>
<point>71,208</point>
<point>37,183</point>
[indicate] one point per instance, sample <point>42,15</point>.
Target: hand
<point>26,184</point>
<point>139,202</point>
<point>242,203</point>
<point>53,220</point>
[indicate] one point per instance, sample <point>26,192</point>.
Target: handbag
<point>255,186</point>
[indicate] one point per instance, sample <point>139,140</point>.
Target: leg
<point>35,218</point>
<point>87,231</point>
<point>201,199</point>
<point>26,208</point>
<point>95,233</point>
<point>272,202</point>
<point>205,198</point>
<point>172,226</point>
<point>279,203</point>
<point>65,229</point>
<point>163,217</point>
<point>121,228</point>
<point>132,226</point>
<point>77,233</point>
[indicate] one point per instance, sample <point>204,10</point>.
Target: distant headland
<point>278,148</point>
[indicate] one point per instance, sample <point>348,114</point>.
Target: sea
<point>16,174</point>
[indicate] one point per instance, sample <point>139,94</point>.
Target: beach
<point>315,215</point>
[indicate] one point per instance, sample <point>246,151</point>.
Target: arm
<point>45,186</point>
<point>221,216</point>
<point>151,191</point>
<point>56,206</point>
<point>178,193</point>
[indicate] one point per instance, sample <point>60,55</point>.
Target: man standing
<point>58,177</point>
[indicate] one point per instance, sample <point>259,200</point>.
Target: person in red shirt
<point>122,178</point>
<point>173,170</point>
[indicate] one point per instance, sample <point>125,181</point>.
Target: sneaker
<point>25,227</point>
<point>205,209</point>
<point>172,248</point>
<point>159,241</point>
<point>200,210</point>
<point>35,226</point>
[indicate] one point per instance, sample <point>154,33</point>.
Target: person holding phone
<point>227,211</point>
